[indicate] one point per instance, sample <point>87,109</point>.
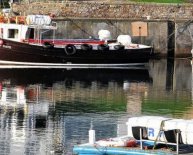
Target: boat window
<point>46,34</point>
<point>30,33</point>
<point>13,33</point>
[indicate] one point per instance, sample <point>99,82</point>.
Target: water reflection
<point>171,91</point>
<point>48,111</point>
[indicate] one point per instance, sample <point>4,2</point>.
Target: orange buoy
<point>2,19</point>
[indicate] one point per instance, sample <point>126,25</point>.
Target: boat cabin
<point>13,32</point>
<point>161,129</point>
<point>34,27</point>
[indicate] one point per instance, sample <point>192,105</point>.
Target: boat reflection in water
<point>49,110</point>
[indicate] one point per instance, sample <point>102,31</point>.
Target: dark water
<point>44,112</point>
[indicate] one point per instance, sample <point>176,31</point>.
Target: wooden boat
<point>146,135</point>
<point>31,40</point>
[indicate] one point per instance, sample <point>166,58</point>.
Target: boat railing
<point>160,142</point>
<point>42,29</point>
<point>54,32</point>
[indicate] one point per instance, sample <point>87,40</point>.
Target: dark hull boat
<point>22,44</point>
<point>22,52</point>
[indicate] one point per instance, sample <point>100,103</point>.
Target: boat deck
<point>78,43</point>
<point>108,147</point>
<point>78,150</point>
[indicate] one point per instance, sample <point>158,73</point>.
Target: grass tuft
<point>160,1</point>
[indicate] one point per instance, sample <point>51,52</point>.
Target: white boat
<point>146,135</point>
<point>161,129</point>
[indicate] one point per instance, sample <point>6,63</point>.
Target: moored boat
<point>31,40</point>
<point>146,135</point>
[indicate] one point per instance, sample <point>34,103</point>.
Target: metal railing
<point>160,142</point>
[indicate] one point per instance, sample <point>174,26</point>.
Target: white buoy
<point>91,136</point>
<point>192,51</point>
<point>124,40</point>
<point>104,35</point>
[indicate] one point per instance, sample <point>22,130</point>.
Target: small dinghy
<point>146,135</point>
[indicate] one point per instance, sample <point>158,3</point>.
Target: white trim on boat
<point>15,64</point>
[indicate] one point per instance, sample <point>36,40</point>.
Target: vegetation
<point>4,3</point>
<point>162,1</point>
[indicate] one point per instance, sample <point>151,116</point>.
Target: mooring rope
<point>84,31</point>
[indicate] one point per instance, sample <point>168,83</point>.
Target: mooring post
<point>140,34</point>
<point>141,141</point>
<point>177,143</point>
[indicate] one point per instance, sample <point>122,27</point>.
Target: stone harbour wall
<point>97,9</point>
